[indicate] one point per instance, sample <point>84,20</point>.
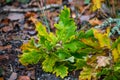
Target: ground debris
<point>13,76</point>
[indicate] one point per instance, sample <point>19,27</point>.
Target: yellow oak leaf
<point>96,4</point>
<point>118,48</point>
<point>90,42</point>
<point>102,38</point>
<point>115,54</point>
<point>25,46</point>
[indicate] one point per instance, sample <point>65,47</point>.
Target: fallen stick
<point>31,9</point>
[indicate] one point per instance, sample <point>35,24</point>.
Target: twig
<point>40,5</point>
<point>11,68</point>
<point>85,9</point>
<point>113,9</point>
<point>32,9</point>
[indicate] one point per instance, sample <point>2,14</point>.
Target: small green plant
<point>68,49</point>
<point>59,52</point>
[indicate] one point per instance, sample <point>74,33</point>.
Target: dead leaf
<point>85,18</point>
<point>5,47</point>
<point>13,76</point>
<point>4,57</point>
<point>31,74</point>
<point>73,15</point>
<point>30,14</point>
<point>95,21</point>
<point>103,61</point>
<point>7,28</point>
<point>1,48</point>
<point>5,21</point>
<point>1,78</point>
<point>15,16</point>
<point>24,78</point>
<point>79,4</point>
<point>2,1</point>
<point>53,1</point>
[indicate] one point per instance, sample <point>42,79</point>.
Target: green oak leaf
<point>49,63</point>
<point>61,71</point>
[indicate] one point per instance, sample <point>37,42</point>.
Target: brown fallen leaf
<point>15,16</point>
<point>1,78</point>
<point>53,1</point>
<point>4,57</point>
<point>5,21</point>
<point>78,4</point>
<point>102,61</point>
<point>7,28</point>
<point>30,14</point>
<point>95,21</point>
<point>85,18</point>
<point>1,48</point>
<point>13,76</point>
<point>23,78</point>
<point>33,75</point>
<point>5,47</point>
<point>2,1</point>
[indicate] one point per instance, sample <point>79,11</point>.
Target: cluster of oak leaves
<point>25,31</point>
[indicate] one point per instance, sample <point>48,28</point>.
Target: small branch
<point>40,5</point>
<point>32,9</point>
<point>113,9</point>
<point>85,9</point>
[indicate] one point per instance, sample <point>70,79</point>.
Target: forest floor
<point>16,29</point>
